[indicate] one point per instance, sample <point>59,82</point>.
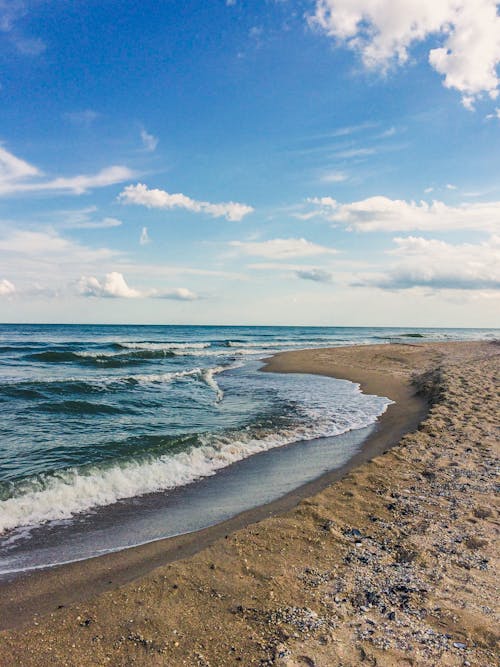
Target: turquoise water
<point>92,416</point>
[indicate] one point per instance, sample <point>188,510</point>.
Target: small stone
<point>459,645</point>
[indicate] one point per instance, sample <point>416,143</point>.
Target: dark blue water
<point>95,415</point>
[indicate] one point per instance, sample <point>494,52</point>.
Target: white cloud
<point>495,114</point>
<point>334,177</point>
<point>13,169</point>
<point>352,129</point>
<point>115,286</point>
<point>383,31</point>
<point>104,223</point>
<point>29,46</point>
<point>17,176</point>
<point>355,153</point>
<point>149,141</point>
<point>153,198</point>
<point>79,218</point>
<point>11,11</point>
<point>144,238</point>
<point>84,118</point>
<point>281,248</point>
<point>6,287</point>
<point>383,214</point>
<point>316,275</point>
<point>450,186</point>
<point>439,265</point>
<point>46,258</point>
<point>49,246</point>
<point>176,294</point>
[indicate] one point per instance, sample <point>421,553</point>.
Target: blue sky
<point>273,162</point>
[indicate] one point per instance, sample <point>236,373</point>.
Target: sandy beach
<point>390,560</point>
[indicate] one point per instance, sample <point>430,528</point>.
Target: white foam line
<point>162,346</point>
<point>75,490</point>
<point>203,374</point>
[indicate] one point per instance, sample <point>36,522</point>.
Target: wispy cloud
<point>149,141</point>
<point>144,238</point>
<point>334,177</point>
<point>84,118</point>
<point>45,247</point>
<point>19,176</point>
<point>354,153</point>
<point>82,218</point>
<point>281,248</point>
<point>11,13</point>
<point>495,114</point>
<point>6,287</point>
<point>154,198</point>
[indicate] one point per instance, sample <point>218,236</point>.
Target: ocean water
<point>99,418</point>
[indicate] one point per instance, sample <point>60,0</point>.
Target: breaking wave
<point>64,494</point>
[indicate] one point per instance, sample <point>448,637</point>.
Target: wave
<point>92,384</point>
<point>159,346</point>
<point>83,358</point>
<point>67,493</point>
<point>279,344</point>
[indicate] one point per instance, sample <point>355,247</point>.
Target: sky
<point>303,162</point>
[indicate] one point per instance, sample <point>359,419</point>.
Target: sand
<point>394,564</point>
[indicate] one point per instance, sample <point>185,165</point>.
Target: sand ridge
<point>393,565</point>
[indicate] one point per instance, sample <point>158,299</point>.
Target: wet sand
<point>392,565</point>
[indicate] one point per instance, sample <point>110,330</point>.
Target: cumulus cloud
<point>281,248</point>
<point>18,176</point>
<point>383,33</point>
<point>149,141</point>
<point>383,214</point>
<point>316,275</point>
<point>115,286</point>
<point>154,198</point>
<point>436,264</point>
<point>6,287</point>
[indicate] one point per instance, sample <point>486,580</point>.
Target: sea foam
<point>64,494</point>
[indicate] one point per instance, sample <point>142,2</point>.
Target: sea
<point>113,436</point>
